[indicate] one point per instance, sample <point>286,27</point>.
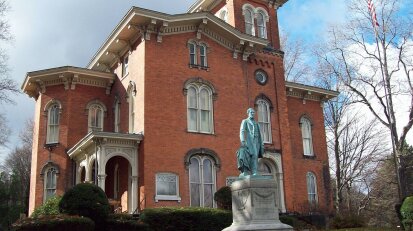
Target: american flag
<point>372,11</point>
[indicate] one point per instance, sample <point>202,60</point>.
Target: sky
<point>50,33</point>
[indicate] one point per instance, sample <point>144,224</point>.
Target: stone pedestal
<point>254,205</point>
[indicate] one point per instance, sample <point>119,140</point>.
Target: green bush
<point>86,200</point>
<point>223,198</point>
<point>348,221</point>
<point>407,213</point>
<point>54,223</point>
<point>188,219</point>
<point>50,207</point>
<point>293,221</point>
<point>124,222</point>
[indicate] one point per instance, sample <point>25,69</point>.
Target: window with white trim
<point>95,117</point>
<point>203,55</point>
<point>167,187</point>
<point>53,117</point>
<point>261,24</point>
<point>224,15</point>
<point>202,185</point>
<point>49,183</point>
<point>306,136</point>
<point>199,103</point>
<point>264,120</point>
<point>131,112</point>
<point>312,188</point>
<point>198,54</point>
<point>125,65</point>
<point>192,53</point>
<point>249,21</point>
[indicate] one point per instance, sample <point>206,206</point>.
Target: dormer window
<point>260,14</point>
<point>224,15</point>
<point>262,29</point>
<point>249,21</point>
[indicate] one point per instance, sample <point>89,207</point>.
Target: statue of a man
<point>252,146</point>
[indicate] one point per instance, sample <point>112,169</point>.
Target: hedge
<point>50,207</point>
<point>124,222</point>
<point>188,219</point>
<point>406,212</point>
<point>54,223</point>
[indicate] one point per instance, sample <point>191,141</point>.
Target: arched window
<point>192,53</point>
<point>95,117</point>
<point>202,176</point>
<point>203,55</point>
<point>116,112</point>
<point>312,188</point>
<point>53,117</point>
<point>224,15</point>
<point>306,136</point>
<point>249,21</point>
<point>261,24</point>
<point>199,103</point>
<point>49,183</point>
<point>264,120</point>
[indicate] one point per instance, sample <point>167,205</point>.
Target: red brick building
<point>154,118</point>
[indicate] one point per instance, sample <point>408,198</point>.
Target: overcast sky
<point>50,33</point>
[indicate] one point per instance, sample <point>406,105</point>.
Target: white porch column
<point>101,181</point>
<point>134,194</point>
<point>281,191</point>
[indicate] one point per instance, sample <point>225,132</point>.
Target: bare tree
<point>4,131</point>
<point>376,65</point>
<point>295,67</point>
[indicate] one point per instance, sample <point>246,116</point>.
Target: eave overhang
<point>36,82</point>
<point>142,23</point>
<point>307,92</point>
<point>96,138</point>
<point>208,5</point>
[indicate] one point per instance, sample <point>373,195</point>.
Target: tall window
<point>116,112</point>
<point>50,183</point>
<point>224,15</point>
<point>249,21</point>
<point>167,187</point>
<point>192,54</point>
<point>264,120</point>
<point>199,101</point>
<point>307,136</point>
<point>261,23</point>
<point>53,115</point>
<point>125,65</point>
<point>312,188</point>
<point>203,55</point>
<point>95,117</point>
<point>131,113</point>
<point>202,181</point>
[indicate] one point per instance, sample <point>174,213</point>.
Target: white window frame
<point>99,126</point>
<point>198,88</point>
<point>201,182</point>
<point>224,15</point>
<point>132,111</point>
<point>203,57</point>
<point>312,188</point>
<point>53,124</point>
<point>159,197</point>
<point>263,103</point>
<point>193,54</point>
<point>249,20</point>
<point>305,123</point>
<point>53,171</point>
<point>262,29</point>
<point>125,65</point>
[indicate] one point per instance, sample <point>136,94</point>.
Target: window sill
<point>201,133</point>
<point>199,67</point>
<point>312,157</point>
<point>167,198</point>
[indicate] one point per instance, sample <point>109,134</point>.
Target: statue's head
<point>251,113</point>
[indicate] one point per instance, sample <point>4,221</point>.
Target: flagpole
<point>389,111</point>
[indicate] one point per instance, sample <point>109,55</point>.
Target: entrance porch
<point>110,160</point>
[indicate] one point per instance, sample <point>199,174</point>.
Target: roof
<point>309,92</point>
<point>143,23</point>
<point>207,5</point>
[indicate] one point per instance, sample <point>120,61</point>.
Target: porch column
<point>134,194</point>
<point>101,181</point>
<point>281,191</point>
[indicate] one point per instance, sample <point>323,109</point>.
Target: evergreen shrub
<point>53,223</point>
<point>86,200</point>
<point>124,222</point>
<point>188,219</point>
<point>347,221</point>
<point>406,212</point>
<point>50,207</point>
<point>223,198</point>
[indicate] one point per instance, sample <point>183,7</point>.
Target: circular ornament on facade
<point>261,77</point>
